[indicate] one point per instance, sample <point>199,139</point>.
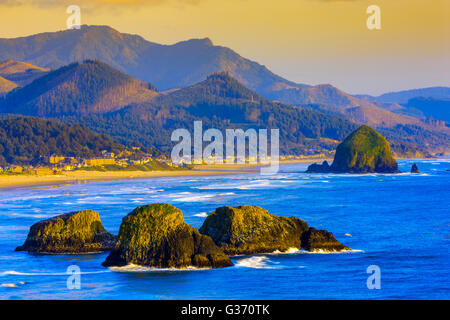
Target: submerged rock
<point>157,236</point>
<point>251,229</point>
<point>363,151</point>
<point>415,168</point>
<point>321,241</point>
<point>75,232</point>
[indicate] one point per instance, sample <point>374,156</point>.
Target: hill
<point>220,102</point>
<point>364,151</point>
<point>79,88</point>
<point>23,140</point>
<point>21,73</point>
<point>437,108</point>
<point>6,86</point>
<point>184,64</point>
<point>166,66</point>
<point>402,97</point>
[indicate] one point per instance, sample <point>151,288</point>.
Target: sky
<point>306,41</point>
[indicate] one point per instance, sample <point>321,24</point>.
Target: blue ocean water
<point>400,223</point>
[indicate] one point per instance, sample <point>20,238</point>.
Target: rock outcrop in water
<point>75,232</point>
<point>363,151</point>
<point>415,168</point>
<point>321,241</point>
<point>251,229</point>
<point>319,168</point>
<point>157,236</point>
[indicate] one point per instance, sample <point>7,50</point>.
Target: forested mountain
<point>79,88</point>
<point>23,140</point>
<point>187,63</point>
<point>220,102</point>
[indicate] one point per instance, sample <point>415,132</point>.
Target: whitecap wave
<point>288,251</point>
<point>201,214</point>
<point>137,268</point>
<point>198,198</point>
<point>18,273</point>
<point>256,262</point>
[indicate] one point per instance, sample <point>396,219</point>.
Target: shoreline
<point>8,182</point>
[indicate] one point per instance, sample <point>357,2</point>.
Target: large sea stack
<point>363,151</point>
<point>75,232</point>
<point>157,236</point>
<point>251,229</point>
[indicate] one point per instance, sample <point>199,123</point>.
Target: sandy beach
<point>80,176</point>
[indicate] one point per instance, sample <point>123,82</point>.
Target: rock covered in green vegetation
<point>415,168</point>
<point>251,229</point>
<point>363,151</point>
<point>75,232</point>
<point>157,236</point>
<point>321,241</point>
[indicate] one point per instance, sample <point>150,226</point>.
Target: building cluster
<point>56,163</point>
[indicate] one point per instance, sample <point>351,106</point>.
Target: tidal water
<point>400,223</point>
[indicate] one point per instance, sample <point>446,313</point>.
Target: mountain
<point>184,64</point>
<point>167,66</point>
<point>23,140</point>
<point>419,103</point>
<point>437,108</point>
<point>79,88</point>
<point>21,73</point>
<point>219,102</point>
<point>402,97</point>
<point>6,86</point>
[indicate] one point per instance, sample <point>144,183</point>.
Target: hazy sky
<point>307,41</point>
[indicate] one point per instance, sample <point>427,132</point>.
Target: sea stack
<point>363,151</point>
<point>251,229</point>
<point>415,168</point>
<point>75,232</point>
<point>157,236</point>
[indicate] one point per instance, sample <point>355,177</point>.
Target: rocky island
<point>415,168</point>
<point>75,232</point>
<point>363,151</point>
<point>157,236</point>
<point>251,229</point>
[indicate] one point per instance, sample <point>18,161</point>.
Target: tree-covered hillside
<point>79,88</point>
<point>23,140</point>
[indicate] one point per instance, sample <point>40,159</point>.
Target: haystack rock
<point>363,151</point>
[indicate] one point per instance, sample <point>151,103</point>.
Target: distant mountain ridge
<point>402,97</point>
<point>21,73</point>
<point>184,64</point>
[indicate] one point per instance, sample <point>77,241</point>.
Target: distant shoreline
<point>81,176</point>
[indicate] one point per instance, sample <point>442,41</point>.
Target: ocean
<point>399,223</point>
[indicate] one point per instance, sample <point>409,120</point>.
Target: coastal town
<point>108,161</point>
